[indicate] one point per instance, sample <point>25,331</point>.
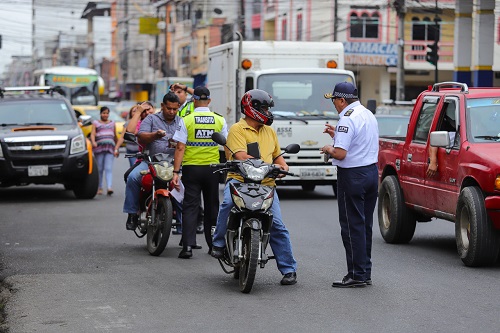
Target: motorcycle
<point>156,211</point>
<point>250,220</point>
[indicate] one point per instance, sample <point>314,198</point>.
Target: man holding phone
<point>155,132</point>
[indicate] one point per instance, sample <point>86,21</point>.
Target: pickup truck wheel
<point>308,187</point>
<point>86,188</point>
<point>477,240</point>
<point>396,222</point>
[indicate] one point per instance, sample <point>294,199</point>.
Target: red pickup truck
<point>464,124</point>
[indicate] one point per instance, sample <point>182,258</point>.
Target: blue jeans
<point>133,189</point>
<point>279,240</point>
<point>105,166</point>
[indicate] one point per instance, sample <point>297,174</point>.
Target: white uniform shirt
<point>181,135</point>
<point>357,133</point>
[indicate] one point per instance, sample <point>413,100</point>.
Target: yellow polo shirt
<point>240,134</point>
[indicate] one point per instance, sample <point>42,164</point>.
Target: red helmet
<point>255,104</point>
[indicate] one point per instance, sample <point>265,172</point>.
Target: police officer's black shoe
<point>217,252</point>
<point>186,252</point>
<point>132,221</point>
<point>348,282</point>
<point>289,279</point>
<point>368,282</point>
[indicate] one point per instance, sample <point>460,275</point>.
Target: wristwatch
<point>176,171</point>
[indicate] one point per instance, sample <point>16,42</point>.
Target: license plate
<point>312,173</point>
<point>38,170</point>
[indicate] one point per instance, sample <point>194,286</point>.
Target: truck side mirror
<point>371,105</point>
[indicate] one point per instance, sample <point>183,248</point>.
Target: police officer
<point>181,91</point>
<point>355,153</point>
<point>196,150</point>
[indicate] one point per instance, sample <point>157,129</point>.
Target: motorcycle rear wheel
<point>159,230</point>
<point>248,266</point>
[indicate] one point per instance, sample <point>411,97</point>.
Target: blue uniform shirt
<point>155,122</point>
<point>357,133</point>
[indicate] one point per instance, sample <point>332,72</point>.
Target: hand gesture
<point>329,129</point>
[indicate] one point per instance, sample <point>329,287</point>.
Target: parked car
<point>41,142</point>
<point>459,127</point>
<point>123,108</point>
<point>94,112</point>
<point>403,108</point>
<point>390,126</point>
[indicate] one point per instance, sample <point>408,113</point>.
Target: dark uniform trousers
<point>199,179</point>
<point>357,196</point>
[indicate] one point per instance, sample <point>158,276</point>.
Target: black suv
<point>41,142</point>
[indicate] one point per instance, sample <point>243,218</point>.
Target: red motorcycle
<point>156,211</point>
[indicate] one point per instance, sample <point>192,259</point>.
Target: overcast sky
<point>51,16</point>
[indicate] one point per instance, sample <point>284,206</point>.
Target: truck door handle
<point>409,157</point>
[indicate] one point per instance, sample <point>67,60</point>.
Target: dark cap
<point>201,93</point>
<point>343,90</point>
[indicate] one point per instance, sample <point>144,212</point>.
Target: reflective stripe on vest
<point>200,148</point>
<point>187,109</point>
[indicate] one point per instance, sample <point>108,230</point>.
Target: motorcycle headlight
<point>164,171</point>
<point>267,203</point>
<point>238,201</point>
<point>77,144</point>
<point>254,173</point>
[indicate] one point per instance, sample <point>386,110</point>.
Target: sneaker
<point>132,221</point>
<point>289,279</point>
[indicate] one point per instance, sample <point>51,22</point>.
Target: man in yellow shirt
<point>255,104</point>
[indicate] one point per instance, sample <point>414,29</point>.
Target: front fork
<point>233,236</point>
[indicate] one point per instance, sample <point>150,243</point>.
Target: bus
<point>81,86</point>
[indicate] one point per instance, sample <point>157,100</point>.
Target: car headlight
<point>254,173</point>
<point>238,201</point>
<point>164,171</point>
<point>77,144</point>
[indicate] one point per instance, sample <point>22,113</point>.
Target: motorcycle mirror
<point>292,148</point>
<point>219,138</point>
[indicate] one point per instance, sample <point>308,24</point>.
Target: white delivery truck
<point>296,75</point>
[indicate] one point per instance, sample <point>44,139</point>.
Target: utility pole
<point>33,51</point>
<point>124,58</point>
<point>432,49</point>
<point>400,7</point>
<point>335,20</point>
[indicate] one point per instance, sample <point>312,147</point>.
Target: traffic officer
<point>181,91</point>
<point>196,151</point>
<point>355,153</point>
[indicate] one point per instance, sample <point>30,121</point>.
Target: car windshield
<point>483,118</point>
<point>301,94</point>
<point>29,112</point>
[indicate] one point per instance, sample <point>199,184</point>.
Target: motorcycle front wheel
<point>159,229</point>
<point>248,265</point>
